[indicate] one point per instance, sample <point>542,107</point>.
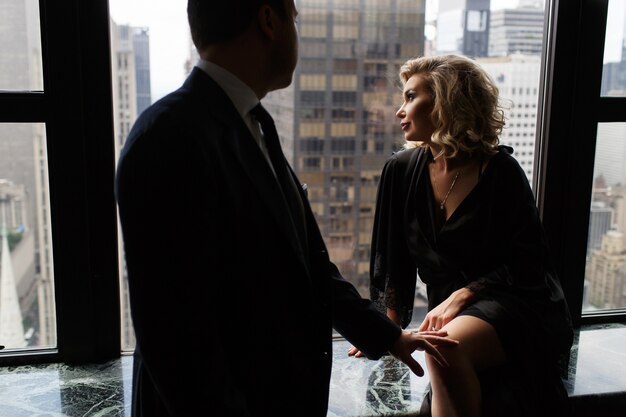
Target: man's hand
<point>392,315</point>
<point>408,342</point>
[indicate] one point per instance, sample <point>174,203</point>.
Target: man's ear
<point>267,20</point>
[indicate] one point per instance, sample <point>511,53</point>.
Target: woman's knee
<point>479,345</point>
<point>457,363</point>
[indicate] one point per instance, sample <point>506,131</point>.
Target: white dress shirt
<point>242,97</point>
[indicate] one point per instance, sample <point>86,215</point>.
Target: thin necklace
<point>439,154</point>
<point>443,202</point>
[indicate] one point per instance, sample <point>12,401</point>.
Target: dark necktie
<point>283,175</point>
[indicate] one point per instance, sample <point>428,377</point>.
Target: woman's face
<point>414,114</point>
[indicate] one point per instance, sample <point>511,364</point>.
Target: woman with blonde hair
<point>456,209</point>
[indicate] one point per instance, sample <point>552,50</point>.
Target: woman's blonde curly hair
<point>466,111</point>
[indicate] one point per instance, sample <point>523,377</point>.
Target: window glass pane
<point>339,131</point>
<point>605,275</point>
<point>360,123</point>
<point>20,45</point>
<point>27,312</point>
<point>337,120</point>
<point>614,69</point>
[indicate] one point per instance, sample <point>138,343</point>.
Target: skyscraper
<point>463,27</point>
<point>518,30</point>
<point>606,273</point>
<point>141,48</point>
<point>614,78</point>
<point>337,120</point>
<point>614,72</point>
<point>600,222</point>
<point>130,63</point>
<point>611,153</point>
<point>517,78</point>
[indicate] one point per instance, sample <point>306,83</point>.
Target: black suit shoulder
<point>200,111</point>
<point>176,112</point>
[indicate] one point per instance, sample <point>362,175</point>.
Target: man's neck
<point>245,66</point>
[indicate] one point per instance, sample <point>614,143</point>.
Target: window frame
<point>75,99</point>
<point>571,110</point>
<point>78,95</point>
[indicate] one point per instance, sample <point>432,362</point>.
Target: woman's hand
<point>447,310</point>
<point>354,352</point>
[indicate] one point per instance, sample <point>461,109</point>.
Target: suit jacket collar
<point>239,140</point>
<point>240,94</point>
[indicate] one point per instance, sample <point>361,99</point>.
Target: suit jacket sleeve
<point>358,320</point>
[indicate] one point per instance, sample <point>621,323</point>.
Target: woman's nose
<point>400,113</point>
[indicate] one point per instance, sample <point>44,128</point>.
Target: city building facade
<point>337,120</point>
<point>517,78</point>
<point>130,65</point>
<point>516,31</point>
<point>606,272</point>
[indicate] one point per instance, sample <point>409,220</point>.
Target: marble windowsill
<point>359,387</point>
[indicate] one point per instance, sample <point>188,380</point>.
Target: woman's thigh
<point>478,342</point>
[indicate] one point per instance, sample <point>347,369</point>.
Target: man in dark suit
<point>232,293</point>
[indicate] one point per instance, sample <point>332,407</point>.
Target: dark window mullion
<point>23,107</point>
<point>568,153</point>
<point>611,109</point>
<point>81,163</point>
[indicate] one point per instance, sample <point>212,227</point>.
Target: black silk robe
<point>493,243</point>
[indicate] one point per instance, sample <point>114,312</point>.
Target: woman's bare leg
<point>456,389</point>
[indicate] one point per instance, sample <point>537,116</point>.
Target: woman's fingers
<point>353,351</point>
<point>425,326</point>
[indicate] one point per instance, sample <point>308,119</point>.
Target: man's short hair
<point>213,21</point>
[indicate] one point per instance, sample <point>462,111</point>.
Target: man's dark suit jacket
<point>230,318</point>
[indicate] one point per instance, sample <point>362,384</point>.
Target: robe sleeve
<point>392,271</point>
